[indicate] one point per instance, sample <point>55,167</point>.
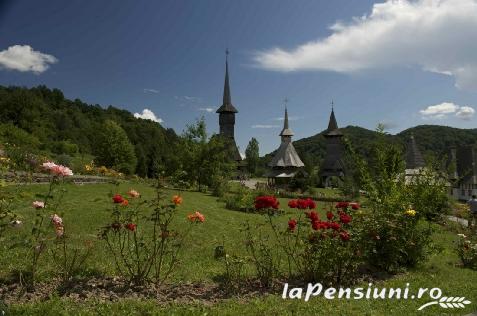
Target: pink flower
<point>133,193</point>
<point>58,170</point>
<point>38,204</point>
<point>62,171</point>
<point>56,220</point>
<point>48,165</point>
<point>58,223</point>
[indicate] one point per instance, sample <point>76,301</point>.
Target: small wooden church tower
<point>227,115</point>
<point>333,165</point>
<point>286,163</point>
<point>414,160</point>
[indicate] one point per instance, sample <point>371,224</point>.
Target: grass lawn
<point>86,208</point>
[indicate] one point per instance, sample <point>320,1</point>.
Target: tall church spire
<point>332,124</point>
<point>227,99</point>
<point>286,131</point>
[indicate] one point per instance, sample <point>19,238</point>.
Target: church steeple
<point>332,124</point>
<point>227,99</point>
<point>414,159</point>
<point>286,132</point>
<point>227,114</point>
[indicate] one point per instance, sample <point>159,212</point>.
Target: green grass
<point>86,209</point>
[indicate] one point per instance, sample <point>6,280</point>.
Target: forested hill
<point>54,124</point>
<point>432,140</point>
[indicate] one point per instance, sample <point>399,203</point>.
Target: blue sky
<point>400,63</point>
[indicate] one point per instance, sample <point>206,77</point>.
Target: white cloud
<point>446,109</point>
<point>436,35</point>
<point>148,115</point>
<point>264,126</point>
<point>207,109</point>
<point>23,58</point>
<point>465,113</point>
<point>151,91</point>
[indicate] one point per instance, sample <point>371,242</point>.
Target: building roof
<point>227,99</point>
<point>286,156</point>
<point>414,158</point>
<point>333,129</point>
<point>286,131</point>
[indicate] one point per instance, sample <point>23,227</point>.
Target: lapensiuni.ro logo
<point>434,294</point>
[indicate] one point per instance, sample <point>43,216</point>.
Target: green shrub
<point>399,207</point>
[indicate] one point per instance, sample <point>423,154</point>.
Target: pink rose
<point>38,204</point>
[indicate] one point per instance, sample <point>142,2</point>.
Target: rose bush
<point>140,238</point>
<point>467,251</point>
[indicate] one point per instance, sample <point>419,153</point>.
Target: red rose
<point>316,225</point>
<point>342,205</point>
<point>354,206</point>
<point>334,225</point>
<point>344,236</point>
<point>313,216</point>
<point>330,215</point>
<point>292,224</point>
<point>131,226</point>
<point>345,218</point>
<point>310,204</point>
<point>117,198</point>
<point>264,202</point>
<point>292,204</point>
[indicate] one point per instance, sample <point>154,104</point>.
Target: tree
<point>114,150</point>
<point>252,155</point>
<point>206,163</point>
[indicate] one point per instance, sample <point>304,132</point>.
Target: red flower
<point>292,224</point>
<point>330,215</point>
<point>316,225</point>
<point>344,236</point>
<point>342,205</point>
<point>131,227</point>
<point>334,225</point>
<point>292,204</point>
<point>310,204</point>
<point>117,198</point>
<point>345,218</point>
<point>306,204</point>
<point>313,216</point>
<point>354,205</point>
<point>264,202</point>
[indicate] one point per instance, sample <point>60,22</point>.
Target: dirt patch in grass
<point>111,289</point>
<point>114,289</point>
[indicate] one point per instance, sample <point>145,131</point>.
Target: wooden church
<point>286,163</point>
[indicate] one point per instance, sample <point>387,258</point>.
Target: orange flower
<point>196,217</point>
<point>125,202</point>
<point>177,199</point>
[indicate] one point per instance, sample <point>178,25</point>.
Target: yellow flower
<point>410,212</point>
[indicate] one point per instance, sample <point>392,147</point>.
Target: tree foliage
<point>252,155</point>
<point>44,120</point>
<point>113,148</point>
